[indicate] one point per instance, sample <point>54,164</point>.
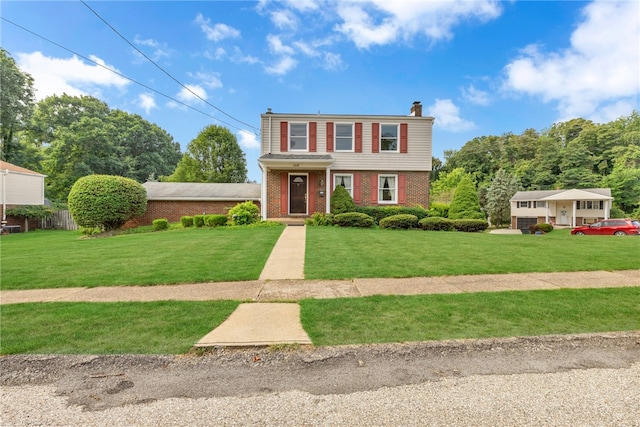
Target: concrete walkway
<point>269,320</point>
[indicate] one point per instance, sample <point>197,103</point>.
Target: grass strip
<point>166,327</point>
<point>384,319</point>
<point>344,253</point>
<point>55,259</point>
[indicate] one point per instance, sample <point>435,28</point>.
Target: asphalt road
<point>556,380</point>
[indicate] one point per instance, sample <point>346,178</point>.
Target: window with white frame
<point>298,136</point>
<point>590,204</point>
<point>345,180</point>
<point>387,188</point>
<point>344,137</point>
<point>389,137</point>
<point>540,204</point>
<point>524,204</point>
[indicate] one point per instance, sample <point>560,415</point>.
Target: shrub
<point>380,212</point>
<point>436,223</point>
<point>353,219</point>
<point>198,220</point>
<point>244,213</point>
<point>616,212</point>
<point>186,221</point>
<point>341,201</point>
<point>160,224</point>
<point>465,203</point>
<point>399,222</point>
<point>106,201</point>
<point>320,219</point>
<point>438,209</point>
<point>215,220</point>
<point>470,225</point>
<point>544,227</point>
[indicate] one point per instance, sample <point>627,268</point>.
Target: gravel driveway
<point>591,380</point>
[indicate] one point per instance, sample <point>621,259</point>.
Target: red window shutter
<point>284,196</point>
<point>313,128</point>
<point>284,137</point>
<point>375,138</point>
<point>357,188</point>
<point>358,147</point>
<point>402,189</point>
<point>374,188</point>
<point>404,138</point>
<point>329,137</point>
<point>312,194</point>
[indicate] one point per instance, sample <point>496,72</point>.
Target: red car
<point>617,227</point>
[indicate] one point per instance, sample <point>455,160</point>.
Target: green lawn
<point>167,327</point>
<point>339,253</point>
<point>55,259</point>
<point>383,319</point>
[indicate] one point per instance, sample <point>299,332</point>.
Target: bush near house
<point>215,220</point>
<point>353,219</point>
<point>465,203</point>
<point>544,227</point>
<point>160,224</point>
<point>244,213</point>
<point>399,222</point>
<point>378,212</point>
<point>438,209</point>
<point>470,225</point>
<point>106,201</point>
<point>320,219</point>
<point>436,224</point>
<point>198,220</point>
<point>186,221</point>
<point>341,201</point>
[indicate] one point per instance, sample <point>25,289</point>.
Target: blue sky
<point>480,67</point>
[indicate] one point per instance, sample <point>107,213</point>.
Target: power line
<point>122,75</point>
<point>162,69</point>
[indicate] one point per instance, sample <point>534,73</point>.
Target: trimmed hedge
<point>544,227</point>
<point>341,201</point>
<point>470,225</point>
<point>198,220</point>
<point>215,220</point>
<point>160,224</point>
<point>399,222</point>
<point>380,212</point>
<point>436,223</point>
<point>353,219</point>
<point>186,221</point>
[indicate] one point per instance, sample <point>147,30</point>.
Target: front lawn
<point>164,327</point>
<point>386,319</point>
<point>342,253</point>
<point>56,259</point>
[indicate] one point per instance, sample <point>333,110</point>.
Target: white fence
<point>60,220</point>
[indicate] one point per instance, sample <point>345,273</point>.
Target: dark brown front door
<point>298,194</point>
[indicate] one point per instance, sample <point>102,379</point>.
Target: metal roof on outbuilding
<point>201,191</point>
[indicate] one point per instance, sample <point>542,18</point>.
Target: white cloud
<point>216,32</point>
<point>55,76</point>
<point>448,116</point>
<point>305,48</point>
<point>284,19</point>
<point>595,77</point>
<point>239,58</point>
<point>146,102</point>
<point>210,80</point>
<point>186,95</point>
<point>276,46</point>
<point>333,62</point>
<point>380,22</point>
<point>476,96</point>
<point>248,140</point>
<point>160,50</point>
<point>283,66</point>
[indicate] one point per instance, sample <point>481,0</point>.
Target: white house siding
<point>22,189</point>
<point>419,142</point>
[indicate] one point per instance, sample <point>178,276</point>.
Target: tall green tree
<point>624,180</point>
<point>502,189</point>
<point>17,101</point>
<point>441,190</point>
<point>213,156</point>
<point>465,203</point>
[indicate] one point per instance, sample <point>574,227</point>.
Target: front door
<point>298,194</point>
<point>563,218</point>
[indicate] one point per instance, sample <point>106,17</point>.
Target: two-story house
<point>382,160</point>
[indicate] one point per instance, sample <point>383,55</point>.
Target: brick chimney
<point>416,109</point>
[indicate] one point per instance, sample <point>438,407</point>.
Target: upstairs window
<point>590,204</point>
<point>540,204</point>
<point>344,137</point>
<point>389,138</point>
<point>524,204</point>
<point>298,136</point>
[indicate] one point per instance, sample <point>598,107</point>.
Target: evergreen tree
<point>503,187</point>
<point>465,203</point>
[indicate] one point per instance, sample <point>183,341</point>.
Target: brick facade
<point>174,210</point>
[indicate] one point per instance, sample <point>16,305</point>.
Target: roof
<point>572,194</point>
<point>17,169</point>
<point>304,116</point>
<point>201,191</point>
<point>306,161</point>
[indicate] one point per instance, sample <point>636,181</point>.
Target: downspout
<point>5,173</point>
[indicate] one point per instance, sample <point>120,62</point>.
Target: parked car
<point>617,227</point>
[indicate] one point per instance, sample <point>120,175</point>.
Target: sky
<point>480,67</point>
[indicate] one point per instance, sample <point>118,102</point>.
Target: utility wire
<point>162,69</point>
<point>120,74</point>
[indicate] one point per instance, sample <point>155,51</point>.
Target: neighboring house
<point>560,207</point>
<point>380,160</point>
<point>19,187</point>
<point>172,200</point>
